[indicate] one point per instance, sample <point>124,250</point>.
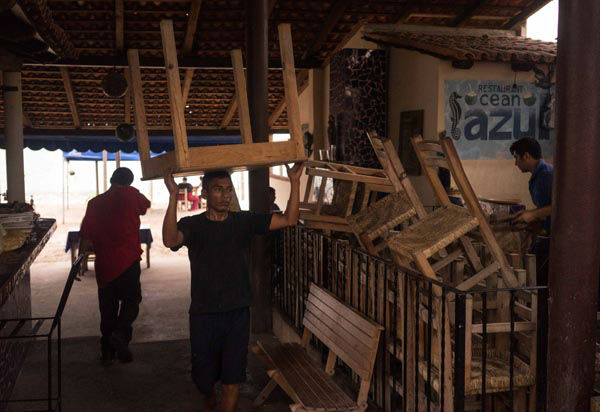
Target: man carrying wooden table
<point>218,244</point>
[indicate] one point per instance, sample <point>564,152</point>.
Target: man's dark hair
<point>121,176</point>
<point>526,145</point>
<point>210,176</point>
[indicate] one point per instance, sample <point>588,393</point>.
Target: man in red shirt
<point>111,227</point>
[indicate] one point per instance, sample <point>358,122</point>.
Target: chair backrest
<point>75,270</point>
<point>349,334</point>
<point>390,162</point>
<point>430,155</point>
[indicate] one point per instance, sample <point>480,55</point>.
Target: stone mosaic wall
<point>12,352</point>
<point>358,103</point>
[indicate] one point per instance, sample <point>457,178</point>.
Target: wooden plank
<point>64,72</point>
<point>175,95</point>
<point>471,253</point>
<point>303,80</point>
<point>354,169</point>
<point>353,316</point>
<point>472,202</point>
<point>479,276</point>
<point>308,189</point>
<point>347,176</point>
<point>504,327</point>
<point>119,24</point>
<point>290,86</point>
<point>434,180</point>
<point>468,337</point>
<point>187,84</point>
<point>323,218</point>
<point>447,260</point>
<point>190,31</point>
<point>242,95</point>
<point>231,109</point>
<point>140,111</point>
<point>321,195</point>
<point>315,306</point>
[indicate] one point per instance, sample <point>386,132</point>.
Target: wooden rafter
<point>231,109</point>
<point>469,12</point>
<point>64,72</point>
<point>336,13</point>
<point>523,15</point>
<point>188,45</point>
<point>302,80</point>
<point>120,24</point>
<point>128,97</point>
<point>355,28</point>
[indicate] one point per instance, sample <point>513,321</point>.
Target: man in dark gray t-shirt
<point>218,244</point>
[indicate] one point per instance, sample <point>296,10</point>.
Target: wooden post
<point>290,86</point>
<point>139,108</point>
<point>104,170</point>
<point>175,95</point>
<point>574,257</point>
<point>257,24</point>
<point>13,130</point>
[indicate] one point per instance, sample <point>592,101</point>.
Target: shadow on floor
<point>157,380</point>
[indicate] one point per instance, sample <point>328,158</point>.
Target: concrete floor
<point>159,378</point>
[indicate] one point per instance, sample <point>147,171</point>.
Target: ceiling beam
<point>467,13</point>
<point>120,24</point>
<point>303,81</point>
<point>186,62</point>
<point>335,14</point>
<point>231,109</point>
<point>523,15</point>
<point>190,31</point>
<point>64,72</point>
<point>353,30</point>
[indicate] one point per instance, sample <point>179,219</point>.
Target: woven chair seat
<point>436,231</point>
<point>383,215</point>
<point>497,373</point>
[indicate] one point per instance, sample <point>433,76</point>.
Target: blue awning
<point>98,143</point>
<point>89,155</point>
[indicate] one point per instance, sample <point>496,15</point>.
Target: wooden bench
<point>349,336</point>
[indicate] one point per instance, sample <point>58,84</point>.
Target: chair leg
<point>264,394</point>
<point>520,400</point>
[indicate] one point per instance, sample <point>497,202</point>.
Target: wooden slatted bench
<point>347,334</point>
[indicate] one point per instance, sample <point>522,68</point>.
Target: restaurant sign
<point>484,117</point>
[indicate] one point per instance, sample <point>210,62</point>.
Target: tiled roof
<point>461,46</point>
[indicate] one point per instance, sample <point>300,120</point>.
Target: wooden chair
<point>497,352</point>
<point>186,160</point>
<point>348,182</point>
<point>183,204</point>
<point>372,225</point>
<point>349,335</point>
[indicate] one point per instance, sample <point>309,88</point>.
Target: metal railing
<point>443,348</point>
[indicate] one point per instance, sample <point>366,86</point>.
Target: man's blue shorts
<point>219,347</point>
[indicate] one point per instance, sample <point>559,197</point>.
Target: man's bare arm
<point>290,217</point>
<point>171,235</point>
<point>540,213</point>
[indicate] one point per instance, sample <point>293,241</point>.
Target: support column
<point>320,85</point>
<point>13,133</point>
<point>257,23</point>
<point>574,257</point>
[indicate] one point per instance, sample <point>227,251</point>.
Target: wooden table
<point>73,242</point>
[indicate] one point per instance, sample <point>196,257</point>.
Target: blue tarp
<point>97,143</point>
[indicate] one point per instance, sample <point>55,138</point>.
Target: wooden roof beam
<point>302,80</point>
<point>64,72</point>
<point>469,12</point>
<point>523,15</point>
<point>335,14</point>
<point>120,24</point>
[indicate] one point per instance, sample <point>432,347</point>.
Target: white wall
<point>417,81</point>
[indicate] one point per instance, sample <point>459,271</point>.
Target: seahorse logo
<point>456,113</point>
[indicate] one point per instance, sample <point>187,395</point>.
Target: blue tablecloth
<point>73,238</point>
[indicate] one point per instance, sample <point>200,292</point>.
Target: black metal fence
<point>443,348</point>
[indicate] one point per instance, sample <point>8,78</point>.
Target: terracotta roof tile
<point>493,47</point>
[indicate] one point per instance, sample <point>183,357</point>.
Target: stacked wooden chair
<point>186,160</point>
<point>348,181</point>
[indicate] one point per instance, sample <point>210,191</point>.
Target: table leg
<point>73,254</point>
<point>147,255</point>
